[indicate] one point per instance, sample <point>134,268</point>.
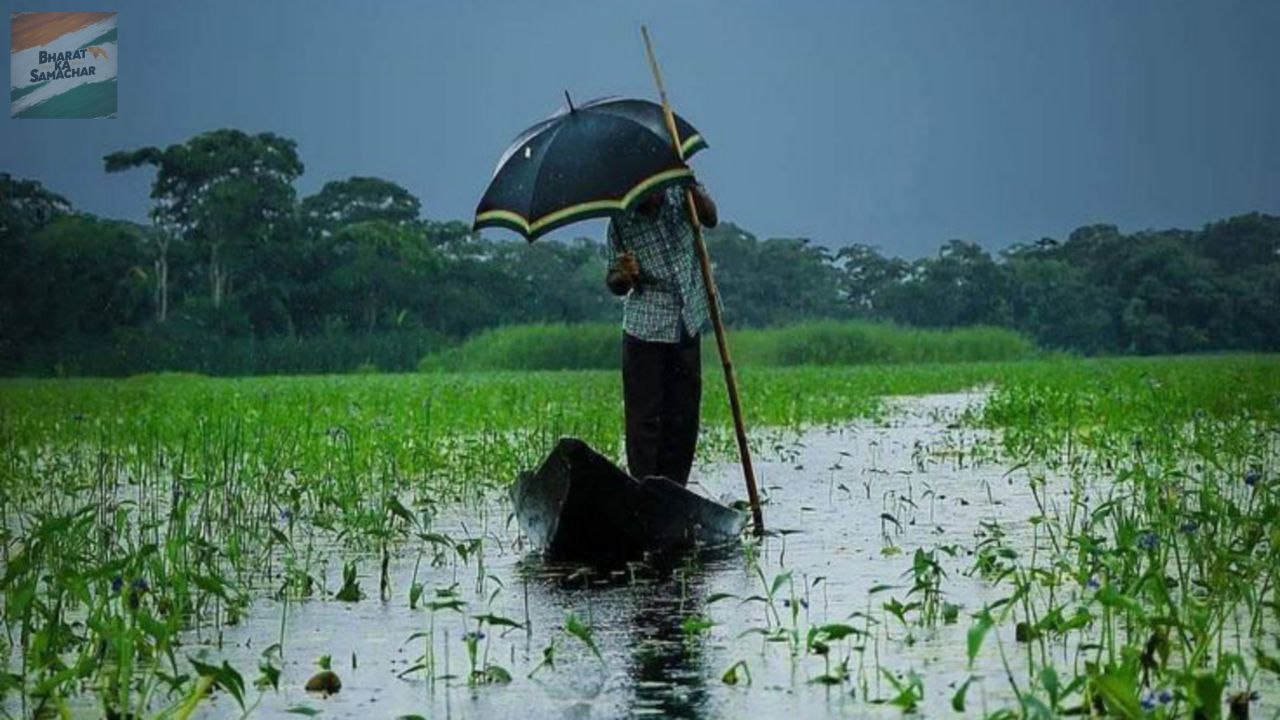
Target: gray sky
<point>898,124</point>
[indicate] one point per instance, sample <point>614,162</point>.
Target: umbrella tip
<point>568,100</point>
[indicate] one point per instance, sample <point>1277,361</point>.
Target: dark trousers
<point>662,389</point>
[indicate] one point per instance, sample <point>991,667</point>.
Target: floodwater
<point>847,508</point>
<point>826,496</point>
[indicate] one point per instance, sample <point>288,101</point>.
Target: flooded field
<point>728,633</point>
<point>1043,544</point>
<point>848,509</point>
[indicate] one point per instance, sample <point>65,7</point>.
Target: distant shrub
<point>598,346</point>
<point>583,346</point>
<point>864,343</point>
<point>160,350</point>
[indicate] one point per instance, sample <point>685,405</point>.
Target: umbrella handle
<point>713,299</point>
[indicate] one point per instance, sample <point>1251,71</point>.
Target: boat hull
<point>580,506</point>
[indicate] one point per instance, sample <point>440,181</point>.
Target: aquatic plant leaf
<point>1266,662</point>
<point>730,676</point>
<point>497,621</point>
<point>209,584</point>
<point>9,682</point>
<point>957,700</point>
<point>454,604</point>
<point>1037,708</point>
<point>279,537</point>
<point>837,631</point>
<point>224,677</point>
<point>910,692</point>
<point>19,565</point>
<point>778,582</point>
<point>574,627</point>
<point>1112,598</point>
<point>1120,695</point>
<point>46,687</point>
<point>302,710</point>
<point>548,658</point>
<point>411,670</point>
<point>269,676</point>
<point>950,613</point>
<point>349,593</point>
<point>717,597</point>
<point>399,510</point>
<point>696,624</point>
<point>495,674</point>
<point>1206,695</point>
<point>977,632</point>
<point>1049,679</point>
<point>435,538</point>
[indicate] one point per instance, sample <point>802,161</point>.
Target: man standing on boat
<point>655,266</point>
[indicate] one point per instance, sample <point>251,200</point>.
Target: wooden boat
<point>580,506</point>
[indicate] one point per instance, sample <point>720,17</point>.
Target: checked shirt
<point>669,295</point>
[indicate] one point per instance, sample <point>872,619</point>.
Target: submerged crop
<point>169,536</point>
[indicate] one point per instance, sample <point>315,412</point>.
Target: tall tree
<point>356,200</point>
<point>91,279</point>
<point>383,268</point>
<point>864,276</point>
<point>25,207</point>
<point>224,190</point>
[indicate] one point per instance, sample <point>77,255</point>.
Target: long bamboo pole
<point>713,300</point>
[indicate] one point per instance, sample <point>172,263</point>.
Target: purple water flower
<point>286,516</point>
<point>1164,696</point>
<point>140,585</point>
<point>1093,583</point>
<point>117,582</point>
<point>1147,540</point>
<point>473,636</point>
<point>1190,527</point>
<point>1149,702</point>
<point>1252,477</point>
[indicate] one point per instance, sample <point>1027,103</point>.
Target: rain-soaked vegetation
<point>237,274</point>
<point>1029,539</point>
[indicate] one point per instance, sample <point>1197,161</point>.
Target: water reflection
<point>666,665</point>
<point>653,611</point>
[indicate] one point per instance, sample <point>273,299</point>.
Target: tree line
<point>232,259</point>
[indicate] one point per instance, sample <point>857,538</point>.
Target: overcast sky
<point>897,124</point>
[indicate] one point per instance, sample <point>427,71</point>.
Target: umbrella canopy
<point>592,160</point>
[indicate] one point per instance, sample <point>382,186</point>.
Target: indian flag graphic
<point>62,65</point>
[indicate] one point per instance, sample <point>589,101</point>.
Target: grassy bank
<point>132,353</point>
<point>597,346</point>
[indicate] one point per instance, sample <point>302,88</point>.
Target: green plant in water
<point>350,590</point>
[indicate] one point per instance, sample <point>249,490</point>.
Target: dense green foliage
<point>138,513</point>
<point>233,259</point>
<point>598,346</point>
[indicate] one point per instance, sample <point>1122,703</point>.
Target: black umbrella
<point>585,161</point>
